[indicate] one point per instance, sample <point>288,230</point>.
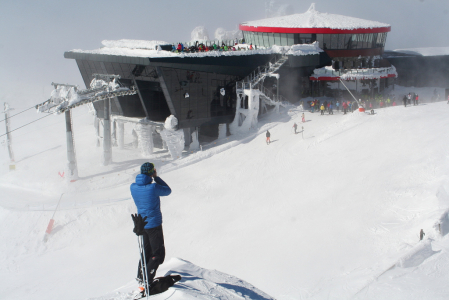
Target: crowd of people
<point>329,106</point>
<point>379,101</point>
<point>235,45</point>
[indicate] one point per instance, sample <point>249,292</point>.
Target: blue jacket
<point>146,197</point>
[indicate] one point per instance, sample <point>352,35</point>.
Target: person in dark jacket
<point>268,137</point>
<point>146,197</point>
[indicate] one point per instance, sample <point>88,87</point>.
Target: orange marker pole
<point>52,221</point>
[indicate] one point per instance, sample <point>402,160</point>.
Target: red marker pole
<point>52,221</point>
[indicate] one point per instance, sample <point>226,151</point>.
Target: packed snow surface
<point>333,212</point>
<point>429,51</point>
<point>315,19</point>
<point>132,44</point>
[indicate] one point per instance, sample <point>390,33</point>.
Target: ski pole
<point>146,269</point>
<point>143,266</point>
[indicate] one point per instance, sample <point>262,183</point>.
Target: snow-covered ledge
<point>328,73</point>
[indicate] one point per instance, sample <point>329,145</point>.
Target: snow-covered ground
<point>333,212</point>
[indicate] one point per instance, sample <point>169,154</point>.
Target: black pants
<point>153,243</point>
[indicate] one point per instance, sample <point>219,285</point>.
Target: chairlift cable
<point>18,113</point>
<point>27,124</point>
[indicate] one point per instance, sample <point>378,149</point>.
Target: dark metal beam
<point>165,91</point>
<point>141,99</point>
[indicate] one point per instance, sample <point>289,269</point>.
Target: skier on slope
<point>295,126</point>
<point>268,137</point>
<point>146,197</point>
<point>304,117</point>
<point>322,109</point>
<point>405,100</point>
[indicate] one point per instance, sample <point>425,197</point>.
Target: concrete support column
<point>195,144</point>
<point>187,137</point>
<point>221,131</point>
<point>107,145</point>
<point>97,130</point>
<point>71,157</point>
<point>145,134</point>
<point>114,133</point>
<point>121,134</point>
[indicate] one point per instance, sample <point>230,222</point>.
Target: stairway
<point>258,75</point>
<point>252,87</point>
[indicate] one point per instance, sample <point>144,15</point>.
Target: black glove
<point>139,224</point>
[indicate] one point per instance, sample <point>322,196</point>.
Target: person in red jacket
<point>345,107</point>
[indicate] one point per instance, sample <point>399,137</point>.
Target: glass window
<point>271,38</point>
<point>306,38</point>
<point>346,41</point>
<point>249,38</point>
<point>260,38</point>
<point>357,44</point>
<point>276,39</point>
<point>362,41</point>
<point>290,39</point>
<point>379,40</point>
<point>319,38</point>
<point>370,40</point>
<point>255,38</point>
<point>245,35</point>
<point>266,41</point>
<point>283,39</point>
<point>296,39</point>
<point>326,41</point>
<point>341,41</point>
<point>334,41</point>
<point>373,41</point>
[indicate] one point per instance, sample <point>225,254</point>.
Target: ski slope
<point>333,212</point>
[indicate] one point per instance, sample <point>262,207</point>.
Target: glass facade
<point>326,41</point>
<point>199,95</point>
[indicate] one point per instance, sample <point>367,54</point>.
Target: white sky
<point>35,34</point>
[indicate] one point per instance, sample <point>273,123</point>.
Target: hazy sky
<point>34,34</point>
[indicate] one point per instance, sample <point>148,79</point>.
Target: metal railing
<point>255,77</point>
<point>327,72</point>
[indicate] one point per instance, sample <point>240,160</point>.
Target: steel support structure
<point>141,99</point>
<point>71,156</point>
<point>107,145</point>
<point>165,91</point>
<point>12,165</point>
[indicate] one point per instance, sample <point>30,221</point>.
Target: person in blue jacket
<point>146,197</point>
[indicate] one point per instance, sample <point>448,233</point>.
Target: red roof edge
<point>313,30</point>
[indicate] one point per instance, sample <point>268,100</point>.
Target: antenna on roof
<point>312,8</point>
